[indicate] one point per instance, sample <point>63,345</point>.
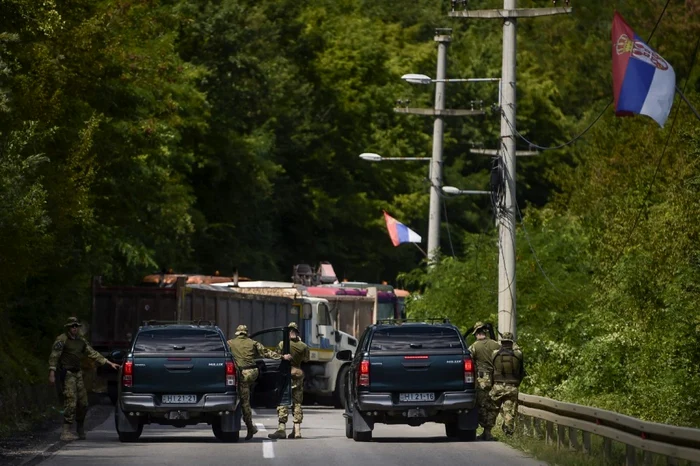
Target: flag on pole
<point>399,232</point>
<point>643,82</point>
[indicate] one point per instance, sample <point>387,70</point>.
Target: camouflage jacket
<point>68,352</point>
<point>245,351</point>
<point>481,351</point>
<point>299,351</point>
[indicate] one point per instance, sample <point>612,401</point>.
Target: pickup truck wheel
<point>466,435</point>
<point>451,429</point>
<point>339,398</point>
<point>362,436</point>
<point>127,436</point>
<point>130,436</point>
<point>112,392</point>
<point>348,427</point>
<point>229,437</point>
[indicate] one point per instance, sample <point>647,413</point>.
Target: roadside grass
<point>551,453</point>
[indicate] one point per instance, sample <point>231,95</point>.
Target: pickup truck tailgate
<point>188,363</point>
<point>161,373</point>
<point>429,373</point>
<point>416,359</point>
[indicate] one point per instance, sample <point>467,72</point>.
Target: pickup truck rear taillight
<point>468,370</point>
<point>230,373</point>
<point>363,375</point>
<point>128,374</point>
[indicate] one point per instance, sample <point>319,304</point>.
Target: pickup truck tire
<point>339,398</point>
<point>229,437</point>
<point>466,435</point>
<point>452,430</point>
<point>130,436</point>
<point>134,433</point>
<point>362,436</point>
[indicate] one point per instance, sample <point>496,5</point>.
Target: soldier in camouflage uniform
<point>507,375</point>
<point>300,354</point>
<point>66,357</point>
<point>245,350</point>
<point>482,350</point>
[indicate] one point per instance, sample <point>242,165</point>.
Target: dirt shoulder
<point>32,446</point>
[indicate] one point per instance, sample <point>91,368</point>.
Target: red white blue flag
<point>399,232</point>
<point>643,82</point>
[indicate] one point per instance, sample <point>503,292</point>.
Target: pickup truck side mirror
<point>345,355</point>
<point>116,356</point>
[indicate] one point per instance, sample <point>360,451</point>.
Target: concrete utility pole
<point>507,312</point>
<point>436,163</point>
<point>443,38</point>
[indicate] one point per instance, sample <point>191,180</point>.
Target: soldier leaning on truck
<point>245,350</point>
<point>300,354</point>
<point>482,350</point>
<point>507,375</point>
<point>66,357</point>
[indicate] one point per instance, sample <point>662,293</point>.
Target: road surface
<point>323,444</point>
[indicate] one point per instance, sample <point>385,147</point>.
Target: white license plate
<point>417,397</point>
<point>179,398</point>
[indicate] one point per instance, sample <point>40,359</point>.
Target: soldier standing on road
<point>300,354</point>
<point>66,357</point>
<point>507,375</point>
<point>245,350</point>
<point>482,350</point>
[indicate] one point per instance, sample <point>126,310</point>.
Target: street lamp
<point>371,157</point>
<point>414,78</point>
<point>453,190</point>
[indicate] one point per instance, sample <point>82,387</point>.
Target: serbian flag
<point>399,232</point>
<point>643,82</point>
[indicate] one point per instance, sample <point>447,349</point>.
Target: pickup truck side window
<point>415,338</point>
<point>362,345</point>
<point>191,340</point>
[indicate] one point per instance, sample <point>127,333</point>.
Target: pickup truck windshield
<point>189,340</point>
<point>415,338</point>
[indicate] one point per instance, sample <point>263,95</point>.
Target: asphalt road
<point>323,444</point>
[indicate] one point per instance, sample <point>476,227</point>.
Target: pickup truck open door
<point>274,385</point>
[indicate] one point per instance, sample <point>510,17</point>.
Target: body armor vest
<point>507,366</point>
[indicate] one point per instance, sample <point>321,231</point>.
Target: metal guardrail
<point>652,438</point>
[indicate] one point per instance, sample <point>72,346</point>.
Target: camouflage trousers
<point>505,398</point>
<point>297,398</point>
<point>75,401</point>
<point>488,411</point>
<point>248,378</point>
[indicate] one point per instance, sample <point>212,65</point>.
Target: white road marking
<point>268,447</point>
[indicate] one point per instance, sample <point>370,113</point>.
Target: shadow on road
<point>416,440</point>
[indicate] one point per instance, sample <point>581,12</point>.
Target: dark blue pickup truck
<point>411,373</point>
<point>184,374</point>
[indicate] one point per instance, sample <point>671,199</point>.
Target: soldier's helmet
<point>477,326</point>
<point>294,326</point>
<point>242,330</point>
<point>507,336</point>
<point>73,322</point>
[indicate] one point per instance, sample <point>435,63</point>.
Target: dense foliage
<point>214,135</point>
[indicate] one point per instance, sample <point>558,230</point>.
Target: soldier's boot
<point>67,435</point>
<point>280,432</point>
<point>81,430</point>
<point>296,433</point>
<point>252,430</point>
